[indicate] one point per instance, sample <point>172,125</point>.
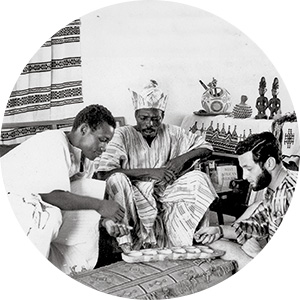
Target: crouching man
<point>47,179</point>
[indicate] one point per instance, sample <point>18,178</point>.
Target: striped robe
<point>161,213</point>
<point>267,217</point>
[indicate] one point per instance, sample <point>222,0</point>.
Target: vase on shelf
<point>242,110</point>
<point>215,100</point>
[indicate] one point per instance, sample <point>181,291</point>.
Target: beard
<point>263,180</point>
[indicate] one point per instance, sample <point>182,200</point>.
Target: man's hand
<point>176,164</point>
<point>111,210</point>
<point>207,235</point>
<point>162,174</point>
<point>115,229</point>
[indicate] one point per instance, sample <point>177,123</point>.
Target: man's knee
<point>91,215</point>
<point>55,218</point>
<point>233,251</point>
<point>118,176</point>
<point>78,226</point>
<point>117,183</point>
<point>89,187</point>
<point>85,218</point>
<point>196,173</point>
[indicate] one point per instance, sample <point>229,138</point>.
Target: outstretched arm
<point>69,201</point>
<point>184,161</point>
<point>167,173</point>
<point>141,174</point>
<point>208,235</point>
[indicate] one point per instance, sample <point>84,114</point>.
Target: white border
<point>272,25</point>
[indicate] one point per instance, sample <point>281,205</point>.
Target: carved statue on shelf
<point>262,101</point>
<point>274,103</point>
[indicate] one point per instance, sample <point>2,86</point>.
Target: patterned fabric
<point>242,111</point>
<point>15,133</point>
<point>267,217</point>
<point>224,132</point>
<point>50,85</point>
<point>181,205</point>
<point>150,97</point>
<point>157,280</point>
<point>287,132</point>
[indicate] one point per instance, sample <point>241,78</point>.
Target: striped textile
<point>184,204</point>
<point>49,87</point>
<point>180,205</point>
<point>267,217</point>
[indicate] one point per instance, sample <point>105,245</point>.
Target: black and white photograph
<point>149,149</point>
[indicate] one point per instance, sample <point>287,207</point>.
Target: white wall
<point>125,45</point>
<point>274,26</point>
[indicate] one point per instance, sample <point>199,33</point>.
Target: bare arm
<point>168,172</point>
<point>229,232</point>
<point>207,235</point>
<point>184,161</point>
<point>140,174</point>
<point>69,201</point>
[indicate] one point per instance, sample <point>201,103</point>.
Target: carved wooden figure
<point>262,101</point>
<point>274,102</point>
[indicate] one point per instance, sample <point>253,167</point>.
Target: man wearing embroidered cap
<point>147,169</point>
<point>150,97</point>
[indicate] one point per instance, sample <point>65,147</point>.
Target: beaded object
<point>242,110</point>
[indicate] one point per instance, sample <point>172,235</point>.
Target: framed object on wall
<point>120,121</point>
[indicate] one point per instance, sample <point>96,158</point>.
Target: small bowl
<point>178,253</point>
<point>135,253</point>
<point>164,253</point>
<point>193,252</point>
<point>149,251</point>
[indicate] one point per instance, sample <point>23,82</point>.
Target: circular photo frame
<point>135,58</point>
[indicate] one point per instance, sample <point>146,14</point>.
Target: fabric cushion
<point>157,280</point>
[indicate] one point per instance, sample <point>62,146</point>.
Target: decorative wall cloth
<point>224,132</point>
<point>49,87</point>
<point>287,132</point>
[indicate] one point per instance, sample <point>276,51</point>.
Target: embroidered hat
<point>150,97</point>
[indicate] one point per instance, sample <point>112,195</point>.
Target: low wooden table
<point>157,280</point>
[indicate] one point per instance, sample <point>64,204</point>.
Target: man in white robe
<point>47,182</point>
<point>146,168</point>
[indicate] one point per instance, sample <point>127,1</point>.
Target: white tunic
<point>41,164</point>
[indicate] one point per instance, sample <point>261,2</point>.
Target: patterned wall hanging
<point>49,87</point>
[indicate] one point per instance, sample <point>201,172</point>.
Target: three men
<point>260,159</point>
<point>147,171</point>
<point>40,176</point>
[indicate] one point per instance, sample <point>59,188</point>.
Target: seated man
<point>146,167</point>
<point>260,159</point>
<point>39,175</point>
